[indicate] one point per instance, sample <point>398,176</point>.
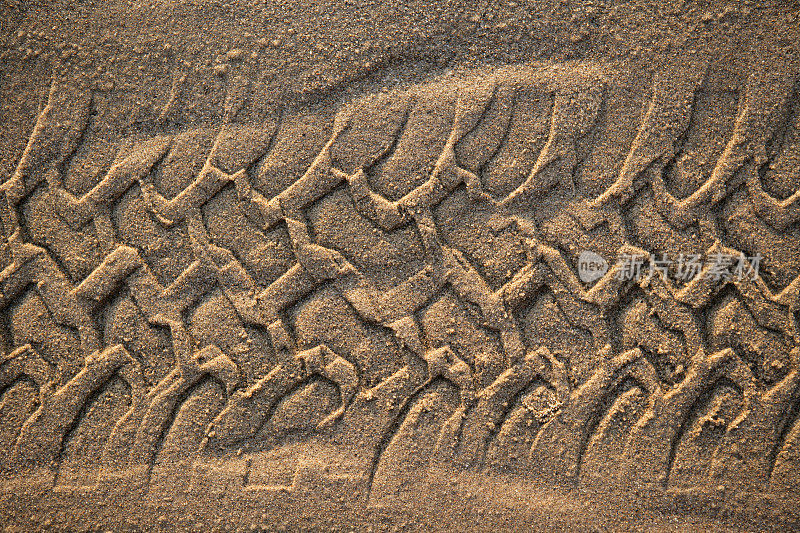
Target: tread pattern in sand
<point>403,296</point>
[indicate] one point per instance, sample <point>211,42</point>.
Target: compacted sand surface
<point>399,266</point>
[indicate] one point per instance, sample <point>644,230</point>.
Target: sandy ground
<point>323,265</point>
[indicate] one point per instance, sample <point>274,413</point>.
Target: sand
<point>386,266</point>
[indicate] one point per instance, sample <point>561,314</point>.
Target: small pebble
<point>235,54</point>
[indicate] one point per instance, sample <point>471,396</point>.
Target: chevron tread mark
<point>397,287</point>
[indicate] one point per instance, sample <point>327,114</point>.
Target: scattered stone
<point>235,55</point>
